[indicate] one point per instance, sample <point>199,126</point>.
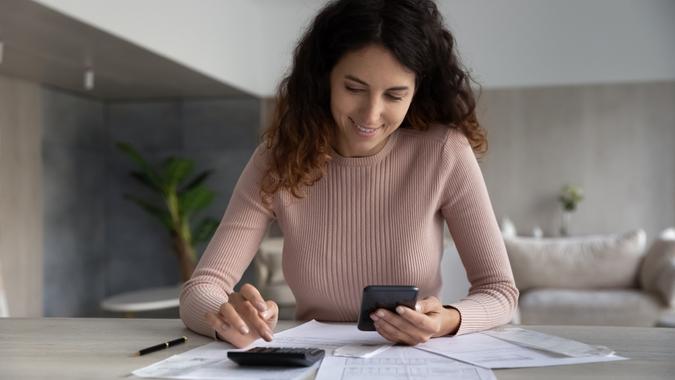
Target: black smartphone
<point>384,297</point>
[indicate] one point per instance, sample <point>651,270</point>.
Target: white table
<point>80,348</point>
<point>143,300</point>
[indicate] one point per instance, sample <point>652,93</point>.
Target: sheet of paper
<point>327,336</point>
<point>359,351</point>
<point>210,362</point>
<point>489,352</point>
<point>404,363</point>
<point>552,343</point>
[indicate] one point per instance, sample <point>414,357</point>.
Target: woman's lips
<point>364,131</point>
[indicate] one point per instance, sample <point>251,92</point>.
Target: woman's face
<point>370,93</point>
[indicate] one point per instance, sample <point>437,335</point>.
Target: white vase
<point>565,222</point>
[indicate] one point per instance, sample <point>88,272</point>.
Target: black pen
<point>162,346</point>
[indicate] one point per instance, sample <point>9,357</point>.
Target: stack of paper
<point>357,355</point>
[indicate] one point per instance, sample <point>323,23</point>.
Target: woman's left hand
<point>429,319</point>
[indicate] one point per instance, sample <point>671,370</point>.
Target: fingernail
<point>268,335</point>
<point>265,314</point>
<point>243,329</point>
<point>261,306</point>
<point>374,317</point>
<point>380,314</point>
<point>418,307</point>
<point>400,309</point>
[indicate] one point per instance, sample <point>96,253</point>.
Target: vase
<point>565,220</point>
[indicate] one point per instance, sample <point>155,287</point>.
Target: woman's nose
<point>371,113</point>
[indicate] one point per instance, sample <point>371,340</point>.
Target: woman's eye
<point>395,98</point>
<point>352,89</point>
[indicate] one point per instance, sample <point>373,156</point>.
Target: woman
<point>371,150</point>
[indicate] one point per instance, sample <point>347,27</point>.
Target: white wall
<point>512,43</point>
<point>552,42</point>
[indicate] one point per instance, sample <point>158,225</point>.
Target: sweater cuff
<point>195,305</point>
<point>472,316</point>
<point>460,319</point>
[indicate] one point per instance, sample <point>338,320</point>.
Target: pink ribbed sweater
<point>369,220</point>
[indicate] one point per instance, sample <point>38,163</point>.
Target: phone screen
<point>384,297</point>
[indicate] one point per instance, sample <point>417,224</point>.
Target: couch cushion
<point>609,261</point>
<point>620,307</point>
<point>657,273</point>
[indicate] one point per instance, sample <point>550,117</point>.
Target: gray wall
<point>218,134</point>
<point>98,244</point>
<point>75,181</point>
<point>616,141</point>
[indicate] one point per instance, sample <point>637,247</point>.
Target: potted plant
<point>177,199</point>
<point>569,198</point>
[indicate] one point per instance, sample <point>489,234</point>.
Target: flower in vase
<point>570,197</point>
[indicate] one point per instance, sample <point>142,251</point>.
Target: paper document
<point>346,338</point>
<point>359,351</point>
<point>541,341</point>
<point>210,362</point>
<point>489,352</point>
<point>404,363</point>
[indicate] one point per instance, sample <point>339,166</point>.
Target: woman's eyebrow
<point>355,79</point>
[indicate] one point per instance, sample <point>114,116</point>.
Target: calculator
<point>277,356</point>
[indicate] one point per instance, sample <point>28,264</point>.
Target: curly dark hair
<point>302,129</point>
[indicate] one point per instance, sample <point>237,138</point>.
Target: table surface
<point>82,348</point>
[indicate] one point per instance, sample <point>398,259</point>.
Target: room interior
<point>565,100</point>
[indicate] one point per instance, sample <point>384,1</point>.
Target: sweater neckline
<point>366,160</point>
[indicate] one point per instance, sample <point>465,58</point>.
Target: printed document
<point>345,338</point>
<point>210,362</point>
<point>400,363</point>
<point>489,352</point>
<point>551,343</point>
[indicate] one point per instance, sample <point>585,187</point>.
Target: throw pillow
<point>658,268</point>
<point>606,261</point>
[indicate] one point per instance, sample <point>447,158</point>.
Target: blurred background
<point>571,93</point>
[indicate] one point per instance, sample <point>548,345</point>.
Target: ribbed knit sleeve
<point>229,252</point>
<point>466,206</point>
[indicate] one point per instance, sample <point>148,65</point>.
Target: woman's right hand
<point>245,317</point>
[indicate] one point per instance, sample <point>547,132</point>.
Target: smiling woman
<point>371,149</point>
<point>370,96</point>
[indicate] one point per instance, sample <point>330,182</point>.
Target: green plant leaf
<point>159,213</point>
<point>176,170</point>
<point>204,230</point>
<point>194,200</point>
<point>142,164</point>
<point>143,179</point>
<point>198,180</point>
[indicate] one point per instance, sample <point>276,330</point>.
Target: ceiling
<point>47,47</point>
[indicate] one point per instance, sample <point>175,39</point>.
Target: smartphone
<point>384,297</point>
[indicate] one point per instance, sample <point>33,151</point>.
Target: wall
<point>248,44</point>
<point>98,244</point>
<point>218,134</point>
<point>75,181</point>
<point>20,196</point>
<point>615,141</point>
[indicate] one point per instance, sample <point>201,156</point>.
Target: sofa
<point>595,280</point>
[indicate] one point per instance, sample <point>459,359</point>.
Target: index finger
<point>252,295</point>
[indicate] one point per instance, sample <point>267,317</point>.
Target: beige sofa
<point>595,280</point>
